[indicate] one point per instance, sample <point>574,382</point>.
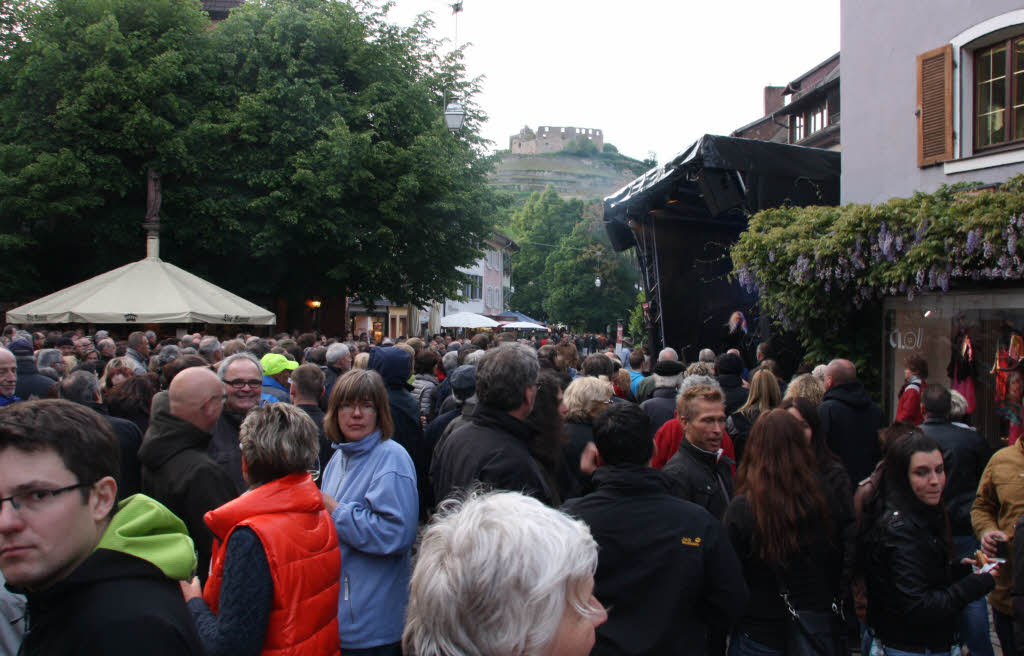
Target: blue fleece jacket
<point>374,483</point>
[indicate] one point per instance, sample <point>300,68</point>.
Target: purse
<point>812,633</point>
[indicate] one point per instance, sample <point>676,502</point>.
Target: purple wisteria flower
<point>973,238</point>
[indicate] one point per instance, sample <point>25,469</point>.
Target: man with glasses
<point>242,376</point>
<point>176,468</point>
<point>99,577</point>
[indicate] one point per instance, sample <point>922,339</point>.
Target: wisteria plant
<point>823,271</point>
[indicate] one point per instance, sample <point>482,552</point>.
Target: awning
<point>147,291</point>
<point>467,320</point>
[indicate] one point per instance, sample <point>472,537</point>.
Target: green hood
<point>144,528</point>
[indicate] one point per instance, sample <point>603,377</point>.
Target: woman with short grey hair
<point>501,574</point>
<point>274,574</point>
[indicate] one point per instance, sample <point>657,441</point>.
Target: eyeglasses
<point>349,408</point>
<point>35,500</point>
<point>238,383</point>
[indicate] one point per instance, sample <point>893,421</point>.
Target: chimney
<point>773,99</point>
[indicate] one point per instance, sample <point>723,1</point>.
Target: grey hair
<point>706,355</point>
<point>504,373</point>
<point>495,574</point>
<point>668,353</point>
<point>209,346</point>
<point>819,372</point>
<point>47,357</point>
<point>450,361</point>
<point>277,439</point>
<point>222,370</point>
<point>585,395</point>
<point>473,358</point>
<point>103,342</point>
<point>694,381</point>
<point>167,354</point>
<point>336,351</point>
<point>80,387</point>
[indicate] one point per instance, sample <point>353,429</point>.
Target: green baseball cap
<point>275,363</point>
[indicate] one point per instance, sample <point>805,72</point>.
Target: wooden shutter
<point>935,106</point>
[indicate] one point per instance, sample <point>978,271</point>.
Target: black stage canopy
<point>685,214</point>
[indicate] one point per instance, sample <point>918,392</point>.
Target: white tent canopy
<point>523,325</point>
<point>147,291</point>
<point>467,320</point>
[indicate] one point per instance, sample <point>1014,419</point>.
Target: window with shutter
<point>935,106</point>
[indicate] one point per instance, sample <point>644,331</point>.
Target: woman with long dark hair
<point>780,525</point>
<point>548,418</point>
<point>915,589</point>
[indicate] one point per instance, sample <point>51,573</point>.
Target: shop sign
<point>906,340</point>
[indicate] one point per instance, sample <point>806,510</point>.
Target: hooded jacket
<point>177,472</point>
<point>850,421</point>
<point>375,486</point>
<point>125,597</point>
<point>665,566</point>
<point>393,365</point>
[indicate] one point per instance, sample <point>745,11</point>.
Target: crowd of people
<point>490,495</point>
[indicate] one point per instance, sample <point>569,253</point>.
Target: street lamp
<point>597,282</point>
<point>454,116</point>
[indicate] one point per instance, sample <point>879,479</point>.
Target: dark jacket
<point>812,577</point>
<point>129,438</point>
<point>492,449</point>
<point>661,407</point>
<point>223,448</point>
<point>31,383</point>
<point>326,452</point>
<point>915,590</point>
<point>424,391</point>
<point>701,477</point>
<point>665,569</point>
<point>965,454</point>
<point>851,421</point>
<point>178,472</point>
<point>735,393</point>
<point>112,604</point>
<point>738,427</point>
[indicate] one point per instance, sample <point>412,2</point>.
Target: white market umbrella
<point>434,320</point>
<point>147,291</point>
<point>523,325</point>
<point>467,320</point>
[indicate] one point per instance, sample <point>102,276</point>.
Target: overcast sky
<point>655,75</point>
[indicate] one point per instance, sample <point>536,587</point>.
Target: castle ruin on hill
<point>551,139</point>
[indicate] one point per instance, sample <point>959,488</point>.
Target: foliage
<point>609,148</point>
<point>581,146</point>
<point>301,142</point>
<point>572,297</point>
<point>823,271</point>
<point>563,247</point>
<point>637,326</point>
<point>539,227</point>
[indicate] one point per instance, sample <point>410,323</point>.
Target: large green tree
<point>572,296</point>
<point>301,142</point>
<point>539,227</point>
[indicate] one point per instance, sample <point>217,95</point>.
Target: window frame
<point>1009,121</point>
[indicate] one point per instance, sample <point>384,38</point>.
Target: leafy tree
<point>93,93</point>
<point>609,148</point>
<point>539,227</point>
<point>581,146</point>
<point>572,297</point>
<point>301,142</point>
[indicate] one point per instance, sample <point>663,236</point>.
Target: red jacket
<point>909,408</point>
<point>668,437</point>
<point>298,536</point>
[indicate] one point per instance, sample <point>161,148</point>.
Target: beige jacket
<point>998,506</point>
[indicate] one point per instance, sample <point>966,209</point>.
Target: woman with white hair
<point>502,574</point>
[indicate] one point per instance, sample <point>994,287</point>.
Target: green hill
<point>572,176</point>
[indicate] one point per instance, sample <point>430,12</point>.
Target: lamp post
<point>454,116</point>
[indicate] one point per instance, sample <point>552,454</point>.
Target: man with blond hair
<point>700,473</point>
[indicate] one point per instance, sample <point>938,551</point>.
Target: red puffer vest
<point>301,544</point>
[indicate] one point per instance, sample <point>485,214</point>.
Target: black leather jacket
<point>915,592</point>
<point>701,477</point>
<point>965,454</point>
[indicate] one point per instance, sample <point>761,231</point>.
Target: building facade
<point>805,112</point>
<point>490,284</point>
<point>932,93</point>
